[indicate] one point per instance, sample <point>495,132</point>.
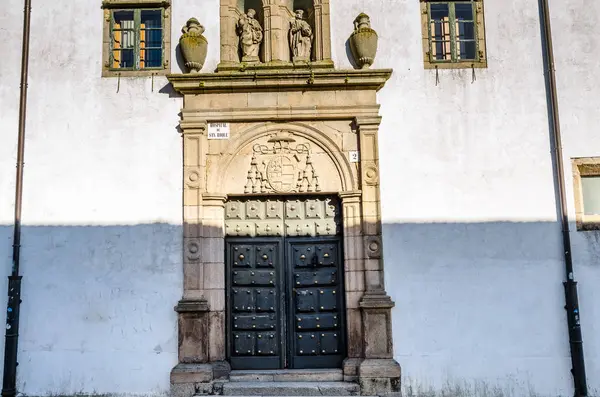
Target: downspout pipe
<point>570,285</point>
<point>9,381</point>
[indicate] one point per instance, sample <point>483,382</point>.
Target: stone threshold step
<point>288,375</point>
<point>291,389</point>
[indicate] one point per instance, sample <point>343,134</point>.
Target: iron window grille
<point>136,38</point>
<point>454,34</point>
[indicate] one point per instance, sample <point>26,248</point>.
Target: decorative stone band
<point>294,80</point>
<point>278,217</point>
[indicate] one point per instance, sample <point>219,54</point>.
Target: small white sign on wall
<point>354,156</point>
<point>218,130</point>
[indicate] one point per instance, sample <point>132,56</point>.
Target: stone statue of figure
<point>301,37</point>
<point>251,35</point>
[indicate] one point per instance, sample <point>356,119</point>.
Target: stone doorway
<point>285,294</point>
<point>312,133</point>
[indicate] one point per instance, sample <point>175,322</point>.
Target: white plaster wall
<point>471,244</point>
<point>578,73</point>
<point>102,232</point>
<point>472,248</point>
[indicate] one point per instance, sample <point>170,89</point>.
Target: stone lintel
<point>192,306</point>
<point>280,80</point>
<point>274,113</point>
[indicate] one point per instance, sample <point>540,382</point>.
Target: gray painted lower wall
<point>472,316</point>
<point>97,313</point>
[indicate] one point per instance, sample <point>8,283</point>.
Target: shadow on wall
<point>474,301</point>
<point>481,302</point>
<point>97,313</point>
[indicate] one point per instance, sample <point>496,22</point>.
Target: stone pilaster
<point>322,32</point>
<point>229,14</point>
<point>195,147</point>
<point>278,34</point>
<point>213,250</point>
<point>201,311</point>
<point>379,373</point>
<point>193,369</point>
<point>354,281</point>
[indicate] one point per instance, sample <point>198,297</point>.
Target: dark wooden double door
<point>285,303</point>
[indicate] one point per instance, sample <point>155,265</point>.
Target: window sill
<point>456,65</point>
<point>588,223</point>
<point>135,73</point>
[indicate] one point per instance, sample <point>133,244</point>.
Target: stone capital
<point>377,299</point>
<point>351,196</point>
<point>192,306</point>
<point>214,199</point>
<point>368,123</point>
<point>193,127</point>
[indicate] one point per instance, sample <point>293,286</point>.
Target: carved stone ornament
<point>363,41</point>
<point>251,35</point>
<point>301,37</point>
<point>281,167</point>
<point>194,45</point>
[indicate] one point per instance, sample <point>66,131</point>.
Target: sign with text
<point>218,130</point>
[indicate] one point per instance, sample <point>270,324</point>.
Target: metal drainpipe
<point>570,286</point>
<point>9,380</point>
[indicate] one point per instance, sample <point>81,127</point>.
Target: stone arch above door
<point>251,148</point>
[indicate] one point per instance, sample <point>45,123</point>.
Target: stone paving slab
<point>292,375</point>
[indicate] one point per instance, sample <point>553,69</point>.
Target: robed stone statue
<point>301,37</point>
<point>251,35</point>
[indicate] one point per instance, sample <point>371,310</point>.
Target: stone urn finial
<point>363,41</point>
<point>194,45</point>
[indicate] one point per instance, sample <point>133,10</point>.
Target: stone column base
<point>379,377</point>
<point>350,368</point>
<point>188,380</point>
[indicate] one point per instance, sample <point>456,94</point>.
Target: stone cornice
<point>276,80</point>
<point>194,118</point>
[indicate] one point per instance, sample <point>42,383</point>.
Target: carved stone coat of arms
<point>282,166</point>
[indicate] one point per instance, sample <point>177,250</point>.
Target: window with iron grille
<point>136,38</point>
<point>453,34</point>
